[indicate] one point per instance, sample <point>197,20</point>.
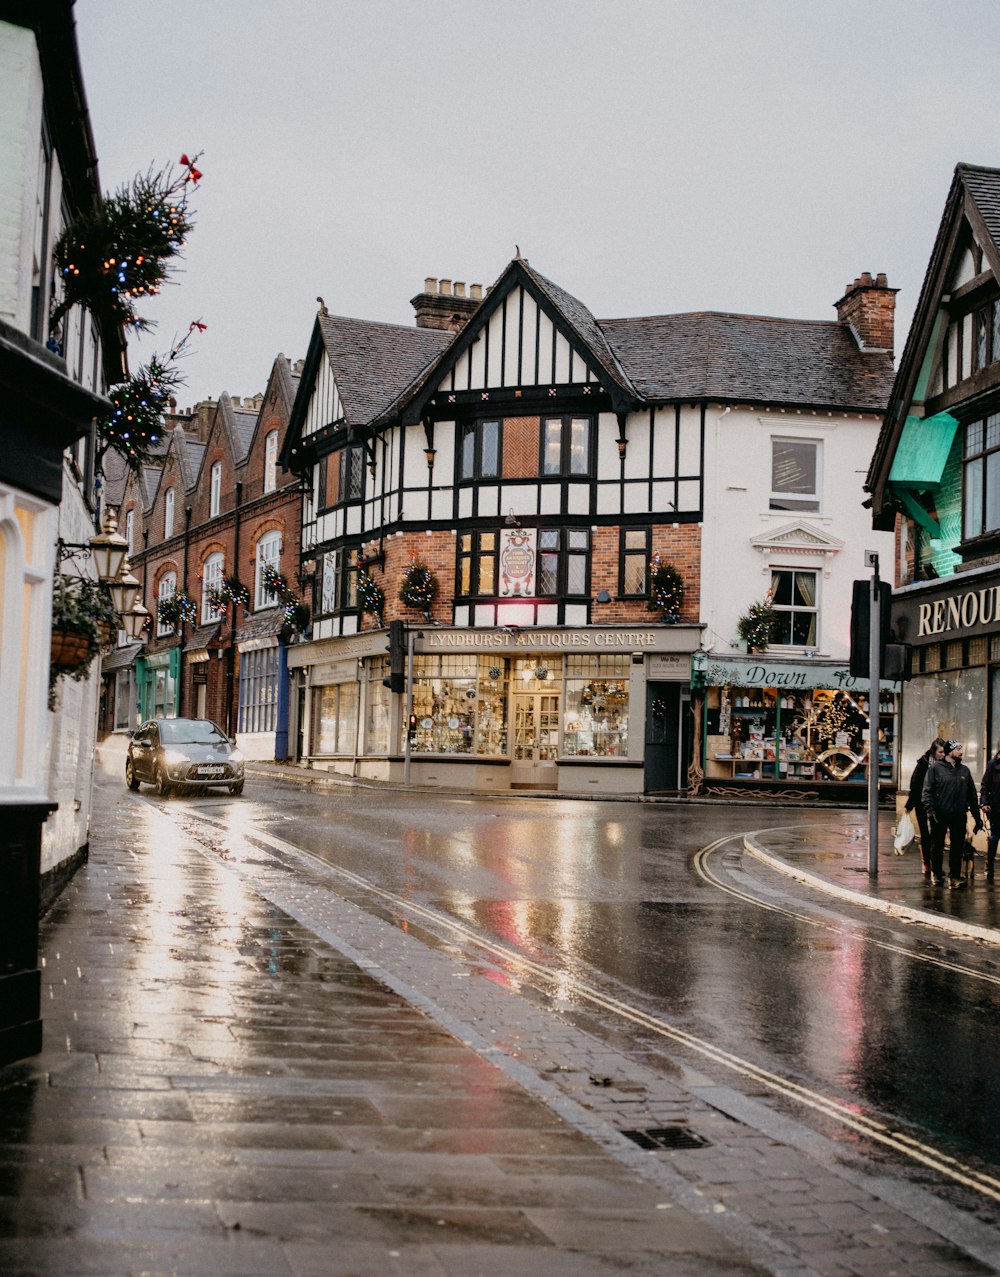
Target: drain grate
<point>667,1137</point>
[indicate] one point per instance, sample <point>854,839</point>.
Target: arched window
<point>271,461</point>
<point>168,586</point>
<point>168,513</point>
<point>215,490</point>
<point>211,580</point>
<point>268,552</point>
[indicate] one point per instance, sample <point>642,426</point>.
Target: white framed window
<point>167,587</point>
<point>796,478</point>
<point>271,461</point>
<point>215,489</point>
<point>794,599</point>
<point>211,580</point>
<point>168,513</point>
<point>268,552</point>
<point>26,535</point>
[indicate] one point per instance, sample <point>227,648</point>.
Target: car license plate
<point>211,771</point>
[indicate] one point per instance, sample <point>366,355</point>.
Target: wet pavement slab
<point>245,1073</point>
<point>222,1092</point>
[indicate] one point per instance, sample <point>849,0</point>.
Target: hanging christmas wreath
<point>419,587</point>
<point>231,593</point>
<point>177,608</point>
<point>757,625</point>
<point>111,256</point>
<point>371,597</point>
<point>296,612</point>
<point>666,589</point>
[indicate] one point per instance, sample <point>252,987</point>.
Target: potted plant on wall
<point>666,589</point>
<point>757,624</point>
<point>82,622</point>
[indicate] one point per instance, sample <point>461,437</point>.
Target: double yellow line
<point>847,1115</point>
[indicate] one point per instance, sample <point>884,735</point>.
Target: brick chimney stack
<point>444,304</point>
<point>868,306</point>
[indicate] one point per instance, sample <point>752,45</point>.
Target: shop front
<point>797,728</point>
<point>562,710</point>
<point>953,628</point>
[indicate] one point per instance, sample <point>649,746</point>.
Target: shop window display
<point>335,719</point>
<point>459,703</point>
<point>595,715</point>
<point>377,707</point>
<point>814,735</point>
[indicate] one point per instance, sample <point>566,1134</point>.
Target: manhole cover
<point>666,1137</point>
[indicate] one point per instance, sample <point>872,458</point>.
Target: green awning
<point>922,451</point>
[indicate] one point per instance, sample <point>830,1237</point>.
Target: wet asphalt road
<point>609,894</point>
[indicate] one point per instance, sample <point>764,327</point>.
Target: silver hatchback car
<point>183,753</point>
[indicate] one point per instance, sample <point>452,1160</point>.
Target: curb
<point>908,913</point>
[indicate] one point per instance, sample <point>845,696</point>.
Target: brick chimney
<point>868,306</point>
<point>444,304</point>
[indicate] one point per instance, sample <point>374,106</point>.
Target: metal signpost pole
<point>874,699</point>
<point>407,747</point>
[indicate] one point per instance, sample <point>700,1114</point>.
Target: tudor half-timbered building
<point>935,476</point>
<point>546,471</point>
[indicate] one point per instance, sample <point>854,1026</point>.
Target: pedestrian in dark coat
<point>989,801</point>
<point>915,799</point>
<point>950,797</point>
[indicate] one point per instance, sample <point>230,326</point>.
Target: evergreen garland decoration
<point>758,623</point>
<point>371,597</point>
<point>419,587</point>
<point>111,256</point>
<point>134,426</point>
<point>666,588</point>
<point>177,608</point>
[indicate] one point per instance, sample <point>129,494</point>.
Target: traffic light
<point>411,728</point>
<point>894,658</point>
<point>396,682</point>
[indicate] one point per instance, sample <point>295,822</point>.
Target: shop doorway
<point>536,740</point>
<point>663,736</point>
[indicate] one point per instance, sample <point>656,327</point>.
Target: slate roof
<point>983,184</point>
<point>375,362</point>
<point>121,658</point>
<point>749,358</point>
<point>199,639</point>
<point>244,425</point>
<point>263,624</point>
<point>589,328</point>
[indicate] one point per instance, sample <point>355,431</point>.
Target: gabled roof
<point>750,358</point>
<point>372,363</point>
<point>567,313</point>
<point>974,197</point>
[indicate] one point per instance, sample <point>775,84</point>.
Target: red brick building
<point>206,525</point>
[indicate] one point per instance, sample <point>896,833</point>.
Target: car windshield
<point>190,731</point>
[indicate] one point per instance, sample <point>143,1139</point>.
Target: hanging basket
<point>70,649</point>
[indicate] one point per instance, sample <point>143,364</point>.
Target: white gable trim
<point>518,345</point>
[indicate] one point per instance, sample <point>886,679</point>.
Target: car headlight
<point>174,758</point>
<point>236,756</point>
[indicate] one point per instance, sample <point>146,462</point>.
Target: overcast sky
<point>650,156</point>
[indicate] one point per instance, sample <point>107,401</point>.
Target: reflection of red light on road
<point>500,977</point>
